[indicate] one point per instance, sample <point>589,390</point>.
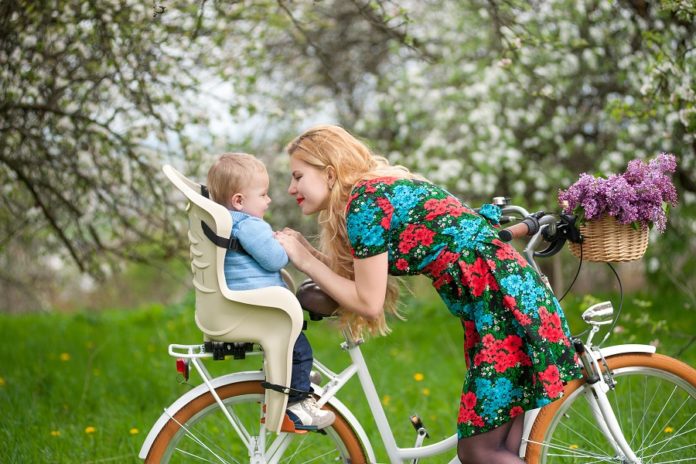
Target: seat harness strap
<point>285,390</point>
<point>230,243</point>
<point>226,243</point>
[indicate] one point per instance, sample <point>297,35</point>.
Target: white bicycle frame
<point>258,454</point>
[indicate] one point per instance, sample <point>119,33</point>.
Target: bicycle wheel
<point>654,402</point>
<point>200,432</point>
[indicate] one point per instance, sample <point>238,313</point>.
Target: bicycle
<point>628,394</point>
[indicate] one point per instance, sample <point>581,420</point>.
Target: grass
<point>86,387</point>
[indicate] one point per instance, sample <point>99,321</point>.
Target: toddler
<point>239,182</point>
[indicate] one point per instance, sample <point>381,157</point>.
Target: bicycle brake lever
<point>552,249</point>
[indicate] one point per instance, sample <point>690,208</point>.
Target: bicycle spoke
<point>645,437</point>
<point>190,435</point>
<point>667,422</point>
<point>666,441</point>
<point>641,425</point>
<point>572,452</point>
<point>191,455</point>
<point>690,459</point>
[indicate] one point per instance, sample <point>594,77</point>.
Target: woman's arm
<point>305,243</point>
<point>364,296</point>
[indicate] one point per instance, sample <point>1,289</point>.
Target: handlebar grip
<point>518,230</point>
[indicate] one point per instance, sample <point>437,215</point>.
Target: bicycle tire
<point>202,419</point>
<point>565,430</point>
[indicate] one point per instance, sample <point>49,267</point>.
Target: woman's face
<point>309,185</point>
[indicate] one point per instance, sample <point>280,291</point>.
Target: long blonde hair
<point>332,146</point>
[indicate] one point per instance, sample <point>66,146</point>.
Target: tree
<point>96,95</point>
<point>486,97</point>
<point>534,93</point>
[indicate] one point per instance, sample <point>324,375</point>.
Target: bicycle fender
<point>245,377</point>
<point>624,349</point>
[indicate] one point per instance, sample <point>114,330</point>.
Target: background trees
<point>484,96</point>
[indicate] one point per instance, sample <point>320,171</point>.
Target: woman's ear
<point>330,176</point>
<point>237,202</point>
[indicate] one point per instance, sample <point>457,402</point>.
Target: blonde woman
<point>379,220</point>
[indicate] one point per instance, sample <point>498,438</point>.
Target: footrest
<point>221,349</point>
<point>290,427</point>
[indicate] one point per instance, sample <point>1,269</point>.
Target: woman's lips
<point>299,200</point>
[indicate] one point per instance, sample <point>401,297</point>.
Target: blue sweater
<point>266,257</point>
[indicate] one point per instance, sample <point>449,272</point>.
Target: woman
<point>379,220</point>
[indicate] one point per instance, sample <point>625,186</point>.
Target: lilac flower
<point>636,196</point>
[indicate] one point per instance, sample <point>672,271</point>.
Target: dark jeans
<point>302,359</point>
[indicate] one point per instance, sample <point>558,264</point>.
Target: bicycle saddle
<point>313,300</point>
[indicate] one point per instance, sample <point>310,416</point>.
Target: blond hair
<point>231,173</point>
<point>327,146</point>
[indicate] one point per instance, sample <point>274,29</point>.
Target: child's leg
<point>302,359</point>
<point>488,448</point>
<point>303,410</point>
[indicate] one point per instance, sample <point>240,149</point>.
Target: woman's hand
<point>298,253</point>
<point>305,243</point>
<point>297,236</point>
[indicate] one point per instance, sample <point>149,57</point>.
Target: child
<point>239,182</point>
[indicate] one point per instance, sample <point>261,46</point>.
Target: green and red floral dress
<point>516,346</point>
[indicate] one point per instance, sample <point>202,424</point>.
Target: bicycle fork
<point>600,383</point>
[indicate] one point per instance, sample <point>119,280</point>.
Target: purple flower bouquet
<point>637,197</point>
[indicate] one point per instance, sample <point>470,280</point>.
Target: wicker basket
<point>606,240</point>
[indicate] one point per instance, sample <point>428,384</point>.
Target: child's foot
<point>308,416</point>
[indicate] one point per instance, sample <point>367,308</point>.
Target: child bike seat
<point>270,317</point>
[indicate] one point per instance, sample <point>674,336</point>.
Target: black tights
<point>499,446</point>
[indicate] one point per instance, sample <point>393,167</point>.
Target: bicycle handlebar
<point>553,228</point>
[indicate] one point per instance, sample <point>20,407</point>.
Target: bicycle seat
<point>271,316</point>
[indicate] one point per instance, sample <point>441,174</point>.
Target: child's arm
<point>305,243</point>
<point>257,239</point>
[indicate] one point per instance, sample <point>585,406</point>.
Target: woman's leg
<point>488,448</point>
<point>514,437</point>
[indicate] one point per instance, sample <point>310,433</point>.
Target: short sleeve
<point>368,218</point>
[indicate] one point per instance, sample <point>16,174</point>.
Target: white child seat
<point>271,316</point>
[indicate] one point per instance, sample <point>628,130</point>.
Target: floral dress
<point>516,346</point>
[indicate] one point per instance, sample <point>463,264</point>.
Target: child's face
<point>309,185</point>
<point>254,198</point>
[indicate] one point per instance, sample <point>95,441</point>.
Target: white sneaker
<point>307,415</point>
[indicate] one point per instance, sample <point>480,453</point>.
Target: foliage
<point>97,95</point>
<point>526,95</point>
<point>508,98</point>
<point>637,196</point>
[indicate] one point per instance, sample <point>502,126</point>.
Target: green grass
<point>86,387</point>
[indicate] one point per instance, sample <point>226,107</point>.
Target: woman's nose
<point>291,188</point>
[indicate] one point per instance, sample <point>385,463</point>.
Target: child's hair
<point>327,145</point>
<point>231,173</point>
